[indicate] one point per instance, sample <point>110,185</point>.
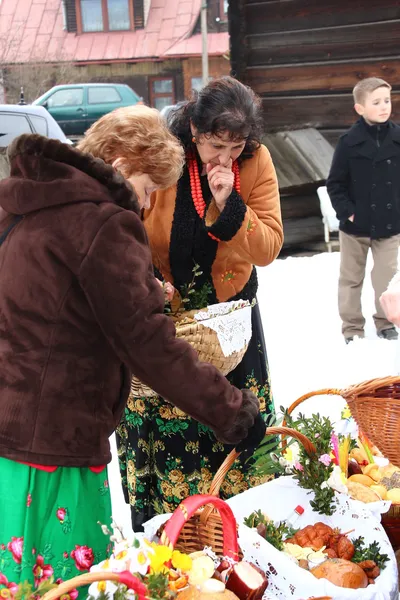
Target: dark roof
<point>301,157</point>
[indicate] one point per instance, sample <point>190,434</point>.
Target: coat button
<point>388,183</point>
<point>389,206</point>
<point>373,186</point>
<point>373,206</point>
<point>389,226</point>
<point>389,161</point>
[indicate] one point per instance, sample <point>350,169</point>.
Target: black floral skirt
<point>165,455</point>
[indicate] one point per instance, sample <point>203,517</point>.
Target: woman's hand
<point>220,180</point>
<point>168,290</point>
<point>390,301</point>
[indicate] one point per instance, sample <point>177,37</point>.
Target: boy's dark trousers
<point>353,259</point>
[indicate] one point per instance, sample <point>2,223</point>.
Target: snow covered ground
<point>306,350</point>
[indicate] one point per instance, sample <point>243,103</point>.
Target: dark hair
<point>224,105</point>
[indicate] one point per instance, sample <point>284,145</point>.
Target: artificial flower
<point>325,459</point>
<point>180,561</point>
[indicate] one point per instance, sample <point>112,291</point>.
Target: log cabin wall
<point>304,57</point>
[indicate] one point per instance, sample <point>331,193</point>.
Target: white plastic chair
<point>331,224</point>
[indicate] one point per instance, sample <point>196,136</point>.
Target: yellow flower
<point>166,488</point>
<point>179,413</point>
<point>140,406</point>
<point>181,491</point>
<point>176,476</point>
<point>158,557</point>
<point>235,475</point>
<point>181,561</point>
<point>165,412</point>
<point>239,488</point>
<point>346,414</point>
<point>131,402</point>
<point>131,474</point>
<point>205,474</point>
<point>203,487</point>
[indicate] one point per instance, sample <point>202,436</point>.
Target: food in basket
<point>342,573</point>
<point>364,479</point>
<point>394,495</point>
<point>380,490</point>
<point>361,492</point>
<point>322,537</point>
<point>202,568</point>
<point>247,581</point>
<point>193,593</point>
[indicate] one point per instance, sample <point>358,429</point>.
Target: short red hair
<point>140,137</point>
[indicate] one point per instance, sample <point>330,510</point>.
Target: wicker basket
<point>375,406</point>
<point>64,588</point>
<point>205,341</point>
<point>172,533</point>
<point>205,528</point>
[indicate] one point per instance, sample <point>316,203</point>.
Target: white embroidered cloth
<point>277,499</point>
<point>232,323</point>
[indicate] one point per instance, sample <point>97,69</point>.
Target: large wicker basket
<point>375,406</point>
<point>205,528</point>
<point>170,537</point>
<point>205,341</point>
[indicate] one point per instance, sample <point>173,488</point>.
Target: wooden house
<point>303,57</point>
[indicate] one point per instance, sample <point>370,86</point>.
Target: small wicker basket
<point>375,406</point>
<point>206,343</point>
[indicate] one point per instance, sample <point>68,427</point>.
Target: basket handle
<point>232,456</point>
<point>125,577</point>
<point>186,510</point>
<point>323,392</point>
<point>369,387</point>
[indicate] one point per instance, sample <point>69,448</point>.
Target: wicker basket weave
<point>375,406</point>
<point>205,528</point>
<point>205,341</point>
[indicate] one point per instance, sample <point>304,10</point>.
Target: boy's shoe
<point>348,340</point>
<point>388,334</point>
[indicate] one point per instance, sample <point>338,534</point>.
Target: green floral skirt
<point>166,456</point>
<point>49,524</point>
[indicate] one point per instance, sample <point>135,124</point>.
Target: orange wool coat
<point>257,240</point>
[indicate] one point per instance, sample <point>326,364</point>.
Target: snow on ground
<point>306,350</point>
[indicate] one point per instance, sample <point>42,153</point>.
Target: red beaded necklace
<point>195,187</point>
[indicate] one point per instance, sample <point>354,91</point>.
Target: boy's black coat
<point>364,180</point>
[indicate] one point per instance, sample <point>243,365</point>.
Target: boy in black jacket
<point>364,188</point>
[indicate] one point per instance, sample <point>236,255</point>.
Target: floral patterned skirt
<point>49,524</point>
<point>166,456</point>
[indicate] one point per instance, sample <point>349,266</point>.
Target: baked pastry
<point>342,573</point>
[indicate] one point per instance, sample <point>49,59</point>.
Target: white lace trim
<point>232,323</point>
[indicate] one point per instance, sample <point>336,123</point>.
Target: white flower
<point>337,480</point>
<point>108,587</point>
<point>324,485</point>
<point>138,560</point>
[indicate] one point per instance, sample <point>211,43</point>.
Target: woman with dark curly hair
<point>223,215</point>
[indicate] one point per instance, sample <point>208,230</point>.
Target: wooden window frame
<point>153,95</point>
<point>106,25</point>
<point>222,15</point>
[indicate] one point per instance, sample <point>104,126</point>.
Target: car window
<point>102,95</point>
<point>39,124</point>
<point>11,126</point>
<point>70,97</point>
